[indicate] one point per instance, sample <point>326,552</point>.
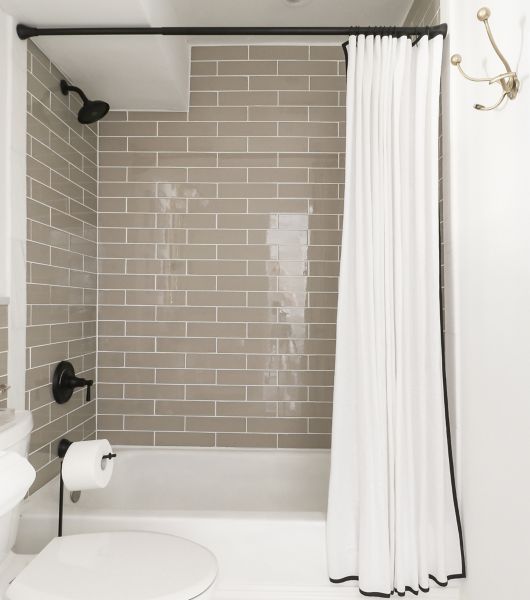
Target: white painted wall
<point>487,173</point>
<point>13,200</point>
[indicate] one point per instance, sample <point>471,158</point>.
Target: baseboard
<point>337,592</point>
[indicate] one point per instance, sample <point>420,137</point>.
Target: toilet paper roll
<point>84,467</point>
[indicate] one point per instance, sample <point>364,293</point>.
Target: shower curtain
<point>393,520</point>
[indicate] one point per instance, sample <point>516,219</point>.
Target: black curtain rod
<point>25,32</point>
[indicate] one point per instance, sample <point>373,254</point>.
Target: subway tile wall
<point>61,260</point>
<point>219,234</point>
<point>3,352</point>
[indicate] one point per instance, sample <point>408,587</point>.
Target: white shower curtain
<point>393,521</point>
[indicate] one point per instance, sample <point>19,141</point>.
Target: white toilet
<point>124,565</point>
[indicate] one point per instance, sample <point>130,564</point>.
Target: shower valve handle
<point>65,381</point>
<point>79,382</point>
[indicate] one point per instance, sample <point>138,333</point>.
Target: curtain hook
<point>345,50</point>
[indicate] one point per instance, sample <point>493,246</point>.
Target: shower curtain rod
<point>25,31</point>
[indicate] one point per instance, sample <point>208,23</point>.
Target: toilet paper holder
<point>62,449</point>
<point>65,381</point>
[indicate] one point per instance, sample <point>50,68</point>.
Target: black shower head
<point>92,110</point>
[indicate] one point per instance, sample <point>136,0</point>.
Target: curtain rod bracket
<point>25,32</point>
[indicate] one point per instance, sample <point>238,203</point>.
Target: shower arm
<point>66,87</point>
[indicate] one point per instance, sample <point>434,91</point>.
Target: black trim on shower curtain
<point>461,575</point>
<point>395,591</point>
<point>446,405</point>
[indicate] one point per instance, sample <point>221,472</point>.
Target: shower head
<point>92,110</point>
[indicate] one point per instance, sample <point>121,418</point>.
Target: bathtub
<point>261,512</point>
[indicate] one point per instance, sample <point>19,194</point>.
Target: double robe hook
<point>508,80</point>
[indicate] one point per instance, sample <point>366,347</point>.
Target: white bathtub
<point>262,513</point>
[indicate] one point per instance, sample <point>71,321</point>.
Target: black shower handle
<point>65,381</point>
<point>89,383</point>
<point>77,382</point>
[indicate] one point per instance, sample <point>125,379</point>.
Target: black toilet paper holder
<point>65,381</point>
<point>62,449</point>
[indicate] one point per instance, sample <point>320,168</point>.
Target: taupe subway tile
<point>156,144</point>
<point>217,144</point>
<point>277,425</point>
<point>225,424</point>
<point>278,113</point>
<point>185,408</point>
<point>186,438</point>
<point>185,344</point>
<point>215,392</point>
<point>248,128</point>
<point>127,159</point>
<point>186,159</point>
<point>309,98</point>
<point>243,98</point>
<point>155,115</point>
<point>155,391</point>
<point>189,129</point>
<point>277,144</point>
<point>307,67</point>
<point>217,174</point>
<point>219,53</point>
<point>277,174</point>
<point>217,114</point>
<point>248,251</point>
<point>135,438</point>
<point>203,68</point>
<point>309,440</point>
<point>185,376</point>
<point>203,98</point>
<point>218,244</point>
<point>264,52</point>
<point>154,423</point>
<point>126,128</point>
<point>247,440</point>
<point>332,53</point>
<point>324,82</point>
<point>226,82</point>
<point>247,409</point>
<point>61,294</point>
<point>250,159</point>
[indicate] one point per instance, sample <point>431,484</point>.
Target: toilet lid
<point>122,565</point>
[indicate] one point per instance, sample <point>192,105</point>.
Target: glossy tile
<point>61,265</point>
<point>219,241</point>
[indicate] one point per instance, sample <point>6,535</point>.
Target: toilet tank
<point>15,429</point>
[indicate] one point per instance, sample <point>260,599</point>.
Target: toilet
<point>122,565</point>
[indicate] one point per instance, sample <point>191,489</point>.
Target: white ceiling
<point>152,72</point>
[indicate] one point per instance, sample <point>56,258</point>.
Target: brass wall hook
<point>508,81</point>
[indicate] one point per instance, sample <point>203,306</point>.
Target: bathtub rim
<point>44,499</point>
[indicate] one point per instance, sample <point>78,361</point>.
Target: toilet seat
<point>122,565</point>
